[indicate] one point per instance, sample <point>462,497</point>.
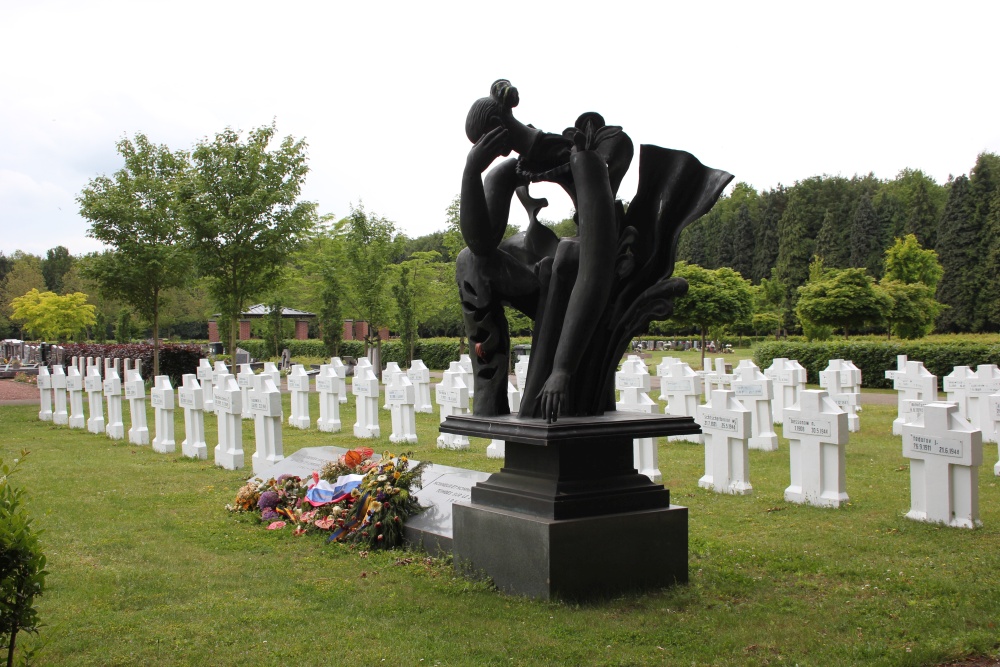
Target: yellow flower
<point>396,475</point>
<point>403,459</point>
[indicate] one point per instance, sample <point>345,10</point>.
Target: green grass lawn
<point>147,568</point>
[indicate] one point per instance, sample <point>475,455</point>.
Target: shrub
<point>175,360</point>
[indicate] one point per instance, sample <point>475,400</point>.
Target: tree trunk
<point>233,333</point>
<point>156,333</point>
<point>10,648</point>
<point>703,348</point>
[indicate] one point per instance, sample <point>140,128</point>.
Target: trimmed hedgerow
<point>875,358</point>
<point>175,360</point>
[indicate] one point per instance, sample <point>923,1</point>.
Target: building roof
<point>260,310</point>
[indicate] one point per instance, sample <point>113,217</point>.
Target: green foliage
<point>55,266</point>
<point>175,359</point>
<point>913,310</point>
<point>840,298</point>
<point>369,249</point>
<point>714,298</point>
<point>959,250</point>
<point>123,328</point>
<point>406,323</point>
<point>51,316</point>
<point>331,318</point>
<point>908,262</point>
<point>22,563</point>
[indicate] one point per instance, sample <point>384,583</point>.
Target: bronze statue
<point>588,294</point>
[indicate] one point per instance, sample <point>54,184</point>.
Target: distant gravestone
<point>497,449</point>
<point>218,371</point>
<point>265,404</point>
<point>400,397</point>
<point>788,378</point>
<point>135,393</point>
<point>59,414</point>
<point>452,397</point>
<point>633,383</point>
<point>161,397</point>
<point>848,401</point>
<point>44,394</point>
<point>816,429</point>
<point>420,377</point>
<point>94,384</point>
<point>391,368</point>
<point>986,383</point>
<point>663,371</point>
<point>329,400</point>
<point>74,387</point>
<point>229,404</point>
<point>113,393</point>
<point>754,390</point>
<point>956,388</point>
<point>242,357</point>
<point>521,370</point>
<point>945,453</point>
<point>726,424</point>
<point>206,375</point>
<point>994,402</point>
<point>683,389</point>
<point>716,377</point>
<point>340,383</point>
<point>465,362</point>
<point>365,388</point>
<point>192,400</point>
<point>915,384</point>
<point>298,385</point>
<point>245,381</point>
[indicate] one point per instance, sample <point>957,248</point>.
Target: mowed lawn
<point>148,568</point>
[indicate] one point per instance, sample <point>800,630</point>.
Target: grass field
<point>147,568</point>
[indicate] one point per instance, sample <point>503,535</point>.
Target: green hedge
<point>175,360</point>
<point>875,358</point>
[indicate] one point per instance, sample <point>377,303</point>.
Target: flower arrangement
<point>358,498</point>
<point>25,378</point>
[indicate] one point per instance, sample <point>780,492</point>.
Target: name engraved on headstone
<point>222,401</point>
<point>629,382</point>
<point>244,381</point>
<point>677,385</point>
<point>396,394</point>
<point>907,383</point>
<point>186,399</point>
<point>94,383</point>
<point>259,403</point>
<point>720,423</point>
<point>324,384</point>
<point>448,396</point>
<point>984,386</point>
<point>940,446</point>
<point>809,426</point>
<point>748,389</point>
<point>156,399</point>
<point>131,390</point>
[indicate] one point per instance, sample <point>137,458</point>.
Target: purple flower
<point>285,478</point>
<point>269,515</point>
<point>268,500</point>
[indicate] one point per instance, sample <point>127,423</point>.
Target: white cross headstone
<point>113,393</point>
<point>521,370</point>
<point>135,393</point>
<point>365,388</point>
<point>245,381</point>
<point>850,377</point>
<point>452,397</point>
<point>755,391</point>
<point>400,396</point>
<point>994,402</point>
<point>633,384</point>
<point>945,453</point>
<point>956,388</point>
<point>265,404</point>
<point>329,400</point>
<point>497,449</point>
<point>191,398</point>
<point>716,377</point>
<point>986,382</point>
<point>830,379</point>
<point>914,383</point>
<point>161,397</point>
<point>816,429</point>
<point>229,404</point>
<point>789,378</point>
<point>465,361</point>
<point>726,424</point>
<point>340,383</point>
<point>298,385</point>
<point>420,376</point>
<point>206,375</point>
<point>683,389</point>
<point>44,394</point>
<point>218,371</point>
<point>391,367</point>
<point>59,414</point>
<point>663,371</point>
<point>74,387</point>
<point>94,384</point>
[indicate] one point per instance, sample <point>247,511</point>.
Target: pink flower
<point>327,523</point>
<point>277,525</point>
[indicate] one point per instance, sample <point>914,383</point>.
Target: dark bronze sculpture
<point>589,295</point>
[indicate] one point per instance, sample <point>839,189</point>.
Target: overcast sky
<point>772,92</point>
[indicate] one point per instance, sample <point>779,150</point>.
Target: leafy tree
<point>406,321</point>
<point>866,242</point>
<point>369,247</point>
<point>768,298</point>
<point>923,217</point>
<point>907,262</point>
<point>842,298</point>
<point>771,207</point>
<point>958,247</point>
<point>331,317</point>
<point>984,188</point>
<point>565,228</point>
<point>52,316</point>
<point>742,241</point>
<point>714,297</point>
<point>25,275</point>
<point>56,264</point>
<point>136,213</point>
<point>123,327</point>
<point>242,214</point>
<point>831,242</point>
<point>913,309</point>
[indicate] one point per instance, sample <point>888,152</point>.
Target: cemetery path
<point>17,393</point>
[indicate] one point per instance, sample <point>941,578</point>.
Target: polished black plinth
<point>569,516</point>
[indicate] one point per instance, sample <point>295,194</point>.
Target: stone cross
<point>465,361</point>
<point>788,378</point>
<point>633,384</point>
<point>329,400</point>
<point>161,397</point>
<point>830,379</point>
<point>452,396</point>
<point>365,387</point>
<point>74,386</point>
<point>914,383</point>
<point>945,453</point>
<point>59,414</point>
<point>716,378</point>
<point>497,449</point>
<point>191,398</point>
<point>113,393</point>
<point>986,382</point>
<point>44,394</point>
<point>94,385</point>
<point>206,375</point>
<point>754,390</point>
<point>298,385</point>
<point>521,370</point>
<point>135,392</point>
<point>229,405</point>
<point>400,396</point>
<point>816,429</point>
<point>850,376</point>
<point>245,381</point>
<point>726,424</point>
<point>683,389</point>
<point>265,404</point>
<point>994,402</point>
<point>663,371</point>
<point>956,388</point>
<point>420,376</point>
<point>391,368</point>
<point>217,372</point>
<point>340,381</point>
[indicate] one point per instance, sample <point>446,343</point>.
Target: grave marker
<point>44,394</point>
<point>683,389</point>
<point>452,396</point>
<point>229,404</point>
<point>716,378</point>
<point>497,449</point>
<point>191,398</point>
<point>94,384</point>
<point>420,376</point>
<point>788,378</point>
<point>245,381</point>
<point>754,390</point>
<point>329,400</point>
<point>830,379</point>
<point>265,404</point>
<point>340,383</point>
<point>521,370</point>
<point>113,392</point>
<point>365,387</point>
<point>726,423</point>
<point>298,385</point>
<point>400,397</point>
<point>135,392</point>
<point>391,368</point>
<point>161,397</point>
<point>816,429</point>
<point>956,387</point>
<point>74,387</point>
<point>633,384</point>
<point>663,371</point>
<point>218,371</point>
<point>945,453</point>
<point>986,382</point>
<point>59,414</point>
<point>465,362</point>
<point>206,376</point>
<point>914,383</point>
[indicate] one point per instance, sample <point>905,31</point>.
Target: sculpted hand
<point>490,146</point>
<point>555,395</point>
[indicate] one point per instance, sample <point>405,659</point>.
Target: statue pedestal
<point>569,516</point>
